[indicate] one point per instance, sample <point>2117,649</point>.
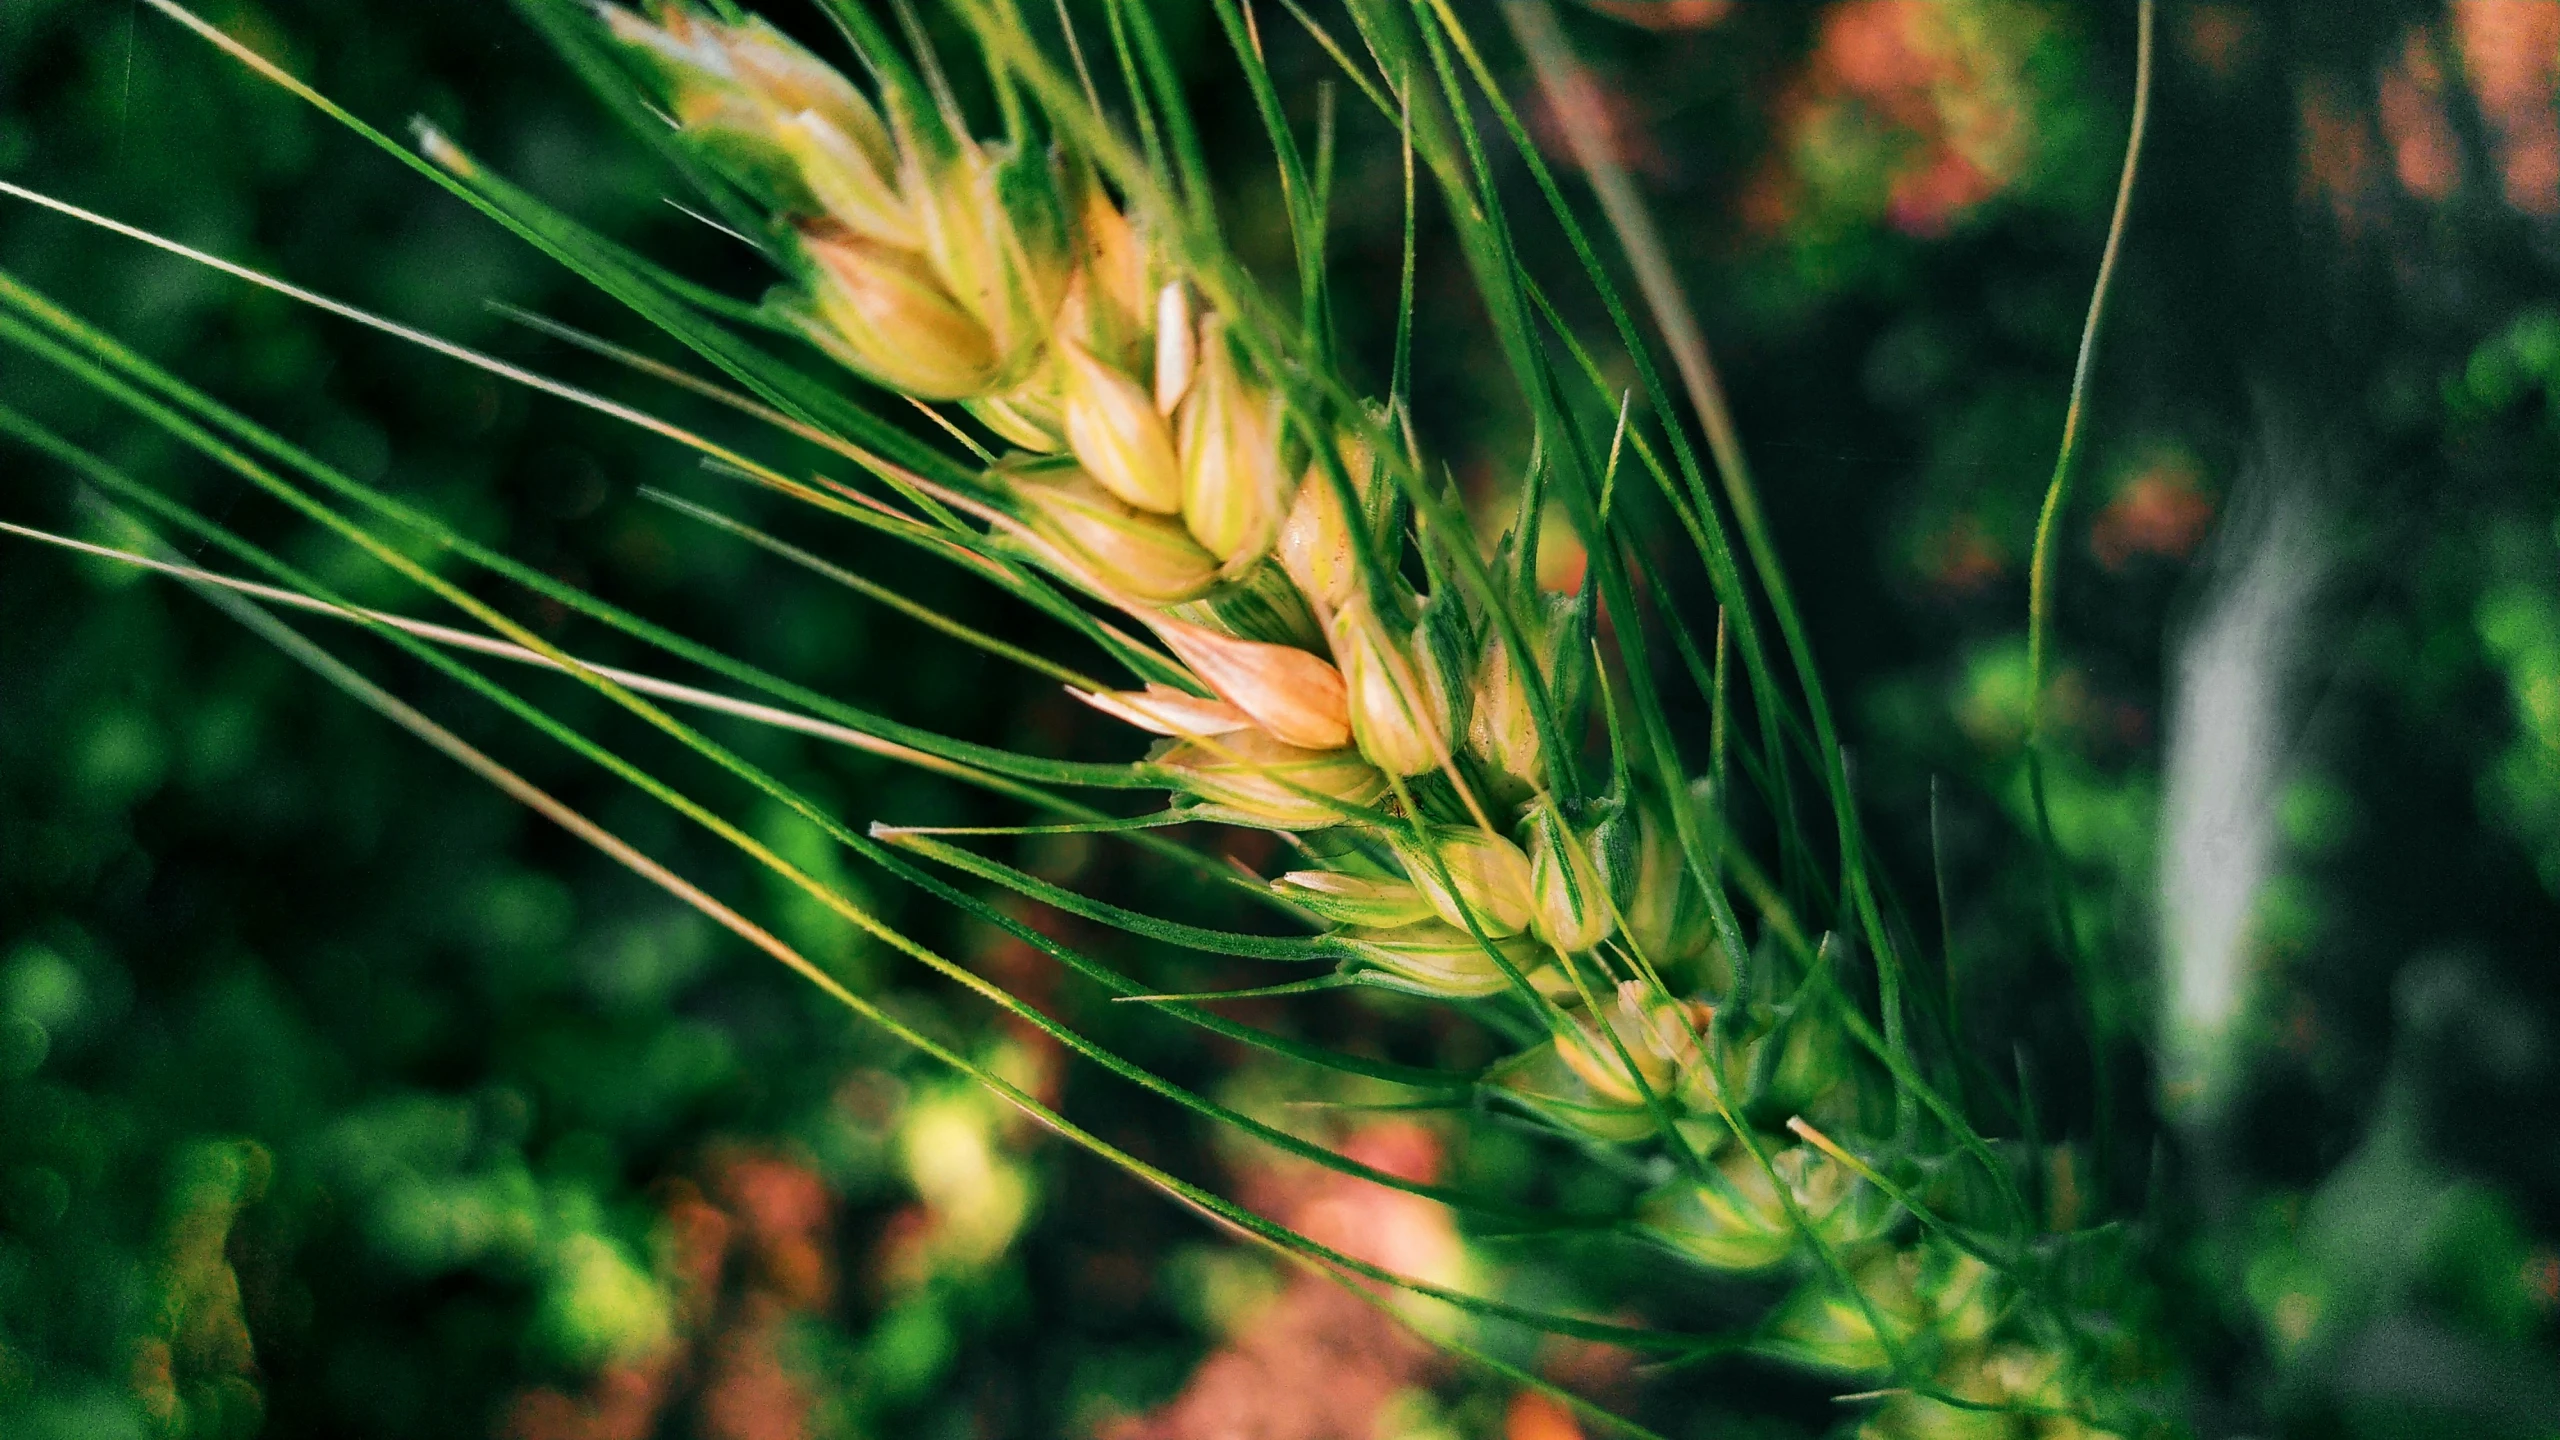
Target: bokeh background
<point>339,1096</point>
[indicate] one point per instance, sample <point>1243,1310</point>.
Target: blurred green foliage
<point>340,1094</point>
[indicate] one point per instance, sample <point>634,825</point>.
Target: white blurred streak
<point>2234,707</point>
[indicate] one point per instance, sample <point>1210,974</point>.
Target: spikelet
<point>786,79</point>
<point>1234,484</point>
<point>1106,546</point>
<point>1466,875</point>
<point>1641,863</point>
<point>1295,696</point>
<point>1851,1332</point>
<point>1031,414</point>
<point>985,224</point>
<point>1248,778</point>
<point>882,313</point>
<point>1316,538</point>
<point>1660,1037</point>
<point>1116,434</point>
<point>1163,710</point>
<point>851,183</point>
<point>1542,1082</point>
<point>1569,898</point>
<point>1399,707</point>
<point>781,120</point>
<point>1113,264</point>
<point>1502,729</point>
<point>1742,1224</point>
<point>1370,902</point>
<point>1502,721</point>
<point>1433,959</point>
<point>994,235</point>
<point>1259,604</point>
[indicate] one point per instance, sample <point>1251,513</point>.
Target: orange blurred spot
<point>1665,14</point>
<point>2337,152</point>
<point>621,1404</point>
<point>775,1217</point>
<point>1536,1417</point>
<point>1400,1147</point>
<point>2162,513</point>
<point>1867,47</point>
<point>903,1260</point>
<point>1603,1372</point>
<point>1317,1364</point>
<point>1934,92</point>
<point>1401,1232</point>
<point>2220,38</point>
<point>1963,559</point>
<point>2511,50</point>
<point>1927,202</point>
<point>786,1214</point>
<point>1562,560</point>
<point>2542,1278</point>
<point>697,1249</point>
<point>2423,152</point>
<point>154,1380</point>
<point>749,1394</point>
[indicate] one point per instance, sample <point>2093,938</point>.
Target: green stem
<point>2057,495</point>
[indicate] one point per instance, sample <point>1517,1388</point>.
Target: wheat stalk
<point>1336,659</point>
<point>1406,735</point>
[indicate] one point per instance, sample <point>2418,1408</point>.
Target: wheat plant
<point>1478,787</point>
